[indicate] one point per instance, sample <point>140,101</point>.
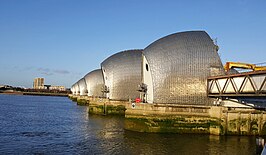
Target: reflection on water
<point>188,144</point>
<point>55,125</point>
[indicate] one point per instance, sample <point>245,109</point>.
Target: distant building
<point>60,88</point>
<point>38,83</point>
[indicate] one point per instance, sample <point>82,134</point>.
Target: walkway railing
<point>250,84</point>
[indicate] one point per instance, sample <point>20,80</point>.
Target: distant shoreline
<point>35,93</point>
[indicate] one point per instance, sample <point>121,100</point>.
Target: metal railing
<point>244,84</point>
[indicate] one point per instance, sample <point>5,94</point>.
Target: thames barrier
<point>177,84</point>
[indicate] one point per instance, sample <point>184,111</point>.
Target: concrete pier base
<point>101,106</point>
<point>107,107</point>
<point>214,120</point>
<point>73,97</point>
<point>170,118</point>
<point>80,100</point>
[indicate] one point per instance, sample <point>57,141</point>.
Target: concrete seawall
<point>195,119</point>
<point>169,118</point>
<point>100,106</point>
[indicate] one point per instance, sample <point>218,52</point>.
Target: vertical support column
<point>260,124</point>
<point>239,124</point>
<point>248,123</point>
<point>225,122</point>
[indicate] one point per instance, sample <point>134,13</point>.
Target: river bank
<point>34,93</point>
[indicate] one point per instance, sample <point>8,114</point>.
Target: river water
<point>56,125</point>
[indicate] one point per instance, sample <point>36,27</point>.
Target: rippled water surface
<point>56,125</point>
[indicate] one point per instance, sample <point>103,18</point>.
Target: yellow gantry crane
<point>241,65</point>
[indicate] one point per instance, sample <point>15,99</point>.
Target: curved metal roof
<point>76,88</point>
<point>72,89</point>
<point>95,83</point>
<point>180,64</point>
<point>122,74</point>
<point>82,87</point>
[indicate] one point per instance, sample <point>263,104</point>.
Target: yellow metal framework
<point>241,65</point>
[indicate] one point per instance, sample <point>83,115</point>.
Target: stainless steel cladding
<point>95,83</point>
<point>82,87</point>
<point>72,90</point>
<point>76,88</point>
<point>176,67</point>
<point>122,74</point>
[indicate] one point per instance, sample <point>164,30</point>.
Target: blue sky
<point>62,40</point>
